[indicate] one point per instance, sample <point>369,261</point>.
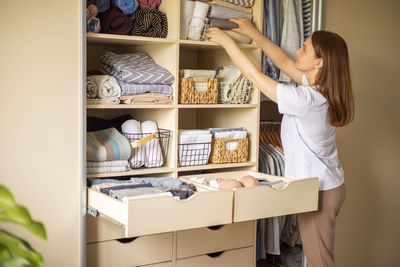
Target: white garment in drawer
<point>142,250</point>
<point>207,240</point>
<point>257,202</point>
<point>243,257</point>
<point>164,214</point>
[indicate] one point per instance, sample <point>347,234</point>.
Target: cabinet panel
<point>140,251</point>
<point>231,258</point>
<point>206,240</point>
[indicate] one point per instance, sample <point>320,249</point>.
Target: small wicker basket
<point>189,95</point>
<point>219,153</point>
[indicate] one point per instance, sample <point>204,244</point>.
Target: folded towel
<point>154,157</point>
<point>147,98</point>
<point>149,3</point>
<point>91,12</point>
<point>219,12</point>
<point>114,21</point>
<point>149,22</point>
<point>186,15</point>
<point>107,86</point>
<point>238,37</point>
<point>127,6</point>
<point>93,25</point>
<point>214,130</point>
<point>97,124</point>
<point>111,163</point>
<point>107,145</point>
<point>104,101</point>
<point>131,130</point>
<point>92,170</point>
<point>224,3</point>
<point>91,88</point>
<point>135,68</point>
<point>102,5</point>
<point>223,24</point>
<point>164,182</point>
<point>194,147</point>
<point>243,3</point>
<point>198,20</point>
<point>136,89</point>
<point>131,192</point>
<point>231,135</point>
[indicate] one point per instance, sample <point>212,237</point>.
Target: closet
<point>211,228</point>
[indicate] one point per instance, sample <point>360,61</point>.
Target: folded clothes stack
<point>132,78</point>
<point>194,147</point>
<point>197,16</point>
<point>135,188</point>
<point>127,17</point>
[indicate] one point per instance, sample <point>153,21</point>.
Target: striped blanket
<point>107,145</point>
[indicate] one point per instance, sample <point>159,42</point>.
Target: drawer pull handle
<point>215,254</point>
<point>216,227</point>
<point>126,240</point>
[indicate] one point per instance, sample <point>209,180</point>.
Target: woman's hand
<point>218,36</point>
<point>245,27</point>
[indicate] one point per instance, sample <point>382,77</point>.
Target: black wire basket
<point>149,149</point>
<point>194,154</point>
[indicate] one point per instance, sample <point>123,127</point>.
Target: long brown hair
<point>333,79</point>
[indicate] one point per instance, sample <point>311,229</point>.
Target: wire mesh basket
<point>194,154</point>
<point>149,149</point>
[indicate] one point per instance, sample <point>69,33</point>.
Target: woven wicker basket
<point>189,95</point>
<point>219,153</point>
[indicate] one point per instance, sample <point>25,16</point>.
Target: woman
<point>311,114</point>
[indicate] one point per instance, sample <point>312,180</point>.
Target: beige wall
<point>40,118</point>
<point>368,232</point>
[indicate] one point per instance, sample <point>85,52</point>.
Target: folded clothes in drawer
<point>278,196</point>
<point>156,205</point>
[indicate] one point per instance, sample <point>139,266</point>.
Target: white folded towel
<point>154,157</point>
<point>131,129</point>
<point>194,147</point>
<point>107,86</point>
<point>90,170</point>
<point>197,22</point>
<point>186,15</point>
<point>110,163</point>
<point>193,132</point>
<point>231,135</point>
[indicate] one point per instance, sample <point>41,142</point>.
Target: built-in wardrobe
<point>212,227</point>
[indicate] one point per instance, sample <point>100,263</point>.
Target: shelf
<point>101,38</point>
<point>217,105</point>
<point>132,172</point>
<point>127,106</point>
<point>216,166</point>
<point>206,45</point>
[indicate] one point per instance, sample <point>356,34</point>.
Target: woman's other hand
<point>218,36</point>
<point>245,27</point>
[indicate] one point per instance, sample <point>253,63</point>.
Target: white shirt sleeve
<point>292,100</point>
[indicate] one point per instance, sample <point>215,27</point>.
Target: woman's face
<point>306,59</point>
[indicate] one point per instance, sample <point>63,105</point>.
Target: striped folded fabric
<point>135,89</point>
<point>106,145</point>
<point>223,24</point>
<point>135,68</point>
<point>149,22</point>
<point>219,12</point>
<point>243,3</point>
<point>228,5</point>
<point>237,37</point>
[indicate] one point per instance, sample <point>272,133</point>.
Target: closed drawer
<point>143,250</point>
<point>257,202</point>
<point>163,264</point>
<point>243,257</point>
<point>207,240</point>
<point>164,214</point>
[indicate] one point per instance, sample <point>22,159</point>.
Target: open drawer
<point>163,214</point>
<point>262,201</point>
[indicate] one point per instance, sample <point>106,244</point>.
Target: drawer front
<point>243,257</point>
<point>263,202</point>
<point>99,229</point>
<point>207,240</point>
<point>165,214</point>
<point>163,264</point>
<point>140,251</point>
